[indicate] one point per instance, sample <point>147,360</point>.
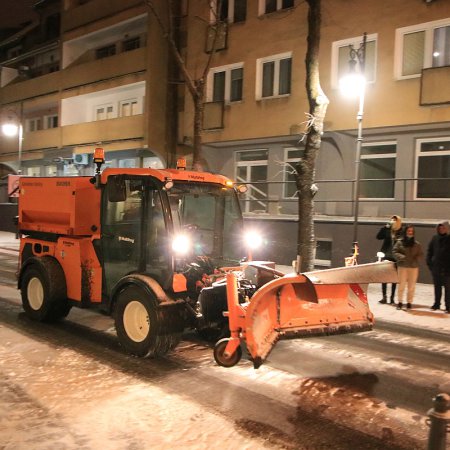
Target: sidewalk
<point>420,316</point>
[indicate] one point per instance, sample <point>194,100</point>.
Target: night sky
<point>15,12</point>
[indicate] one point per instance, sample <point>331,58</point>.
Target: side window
<point>251,168</point>
<point>273,76</point>
<point>421,46</point>
<point>378,163</point>
<point>433,168</point>
<point>226,83</point>
<point>232,11</point>
<point>269,6</point>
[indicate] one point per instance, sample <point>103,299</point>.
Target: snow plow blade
<point>319,303</point>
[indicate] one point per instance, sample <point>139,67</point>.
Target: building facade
<point>101,74</point>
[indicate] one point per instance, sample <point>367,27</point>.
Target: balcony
<point>95,10</point>
<point>435,88</point>
<point>105,69</point>
<point>122,128</point>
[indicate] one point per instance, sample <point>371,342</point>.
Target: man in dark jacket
<point>389,234</point>
<point>438,261</point>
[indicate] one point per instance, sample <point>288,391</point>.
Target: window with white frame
<point>129,107</point>
<point>340,58</point>
<point>51,121</point>
<point>291,157</point>
<point>273,76</point>
<point>269,6</point>
<point>377,170</point>
<point>50,171</point>
<point>231,11</point>
<point>34,171</point>
<point>433,168</point>
<point>421,46</point>
<point>34,124</point>
<point>251,168</point>
<point>324,251</point>
<point>225,83</point>
<point>103,112</point>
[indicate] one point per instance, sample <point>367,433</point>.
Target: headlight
<point>181,244</point>
<point>253,240</point>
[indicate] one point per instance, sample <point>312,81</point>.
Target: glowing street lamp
<point>354,85</point>
<point>13,128</point>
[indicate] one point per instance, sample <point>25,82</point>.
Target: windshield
<point>210,215</point>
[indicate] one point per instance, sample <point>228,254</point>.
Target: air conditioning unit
<point>81,158</point>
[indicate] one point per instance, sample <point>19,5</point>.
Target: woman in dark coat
<point>390,233</point>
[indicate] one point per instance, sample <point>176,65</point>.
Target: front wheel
<point>140,324</point>
<point>221,359</point>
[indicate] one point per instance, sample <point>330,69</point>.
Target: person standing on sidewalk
<point>389,234</point>
<point>407,252</point>
<point>438,261</point>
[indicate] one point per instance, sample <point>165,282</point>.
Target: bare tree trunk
<point>305,168</point>
<point>195,86</point>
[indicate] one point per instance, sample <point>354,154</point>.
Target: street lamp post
<point>355,82</point>
<point>14,128</point>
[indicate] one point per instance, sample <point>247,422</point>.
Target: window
<point>377,163</point>
<point>340,57</point>
<point>51,121</point>
<point>232,11</point>
<point>131,44</point>
<point>34,171</point>
<point>291,157</point>
<point>433,168</point>
<point>34,124</point>
<point>324,251</point>
<point>421,46</point>
<point>273,76</point>
<point>50,171</point>
<point>129,108</point>
<point>127,163</point>
<point>104,52</point>
<point>251,168</point>
<point>225,83</point>
<point>103,112</point>
<point>269,6</point>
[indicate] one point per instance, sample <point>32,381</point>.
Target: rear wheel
<point>221,359</point>
<point>43,290</point>
<point>139,324</point>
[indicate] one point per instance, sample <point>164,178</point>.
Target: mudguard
<point>310,304</point>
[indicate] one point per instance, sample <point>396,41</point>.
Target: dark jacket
<point>438,253</point>
<point>407,255</point>
<point>389,237</point>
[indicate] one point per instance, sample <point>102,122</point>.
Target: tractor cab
<point>161,228</point>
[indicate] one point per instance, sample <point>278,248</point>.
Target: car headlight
<point>181,244</point>
<point>253,240</point>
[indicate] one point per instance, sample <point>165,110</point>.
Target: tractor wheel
<point>43,291</point>
<point>220,358</point>
<point>138,324</point>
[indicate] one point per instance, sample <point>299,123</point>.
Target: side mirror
<point>116,189</point>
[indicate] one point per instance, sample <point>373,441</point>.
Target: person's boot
<point>392,301</point>
<point>383,301</point>
<point>408,306</point>
<point>435,307</point>
<point>399,305</point>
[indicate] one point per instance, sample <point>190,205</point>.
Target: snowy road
<point>70,386</point>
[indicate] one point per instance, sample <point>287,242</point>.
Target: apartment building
<point>79,77</point>
<point>104,78</point>
<point>258,105</point>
